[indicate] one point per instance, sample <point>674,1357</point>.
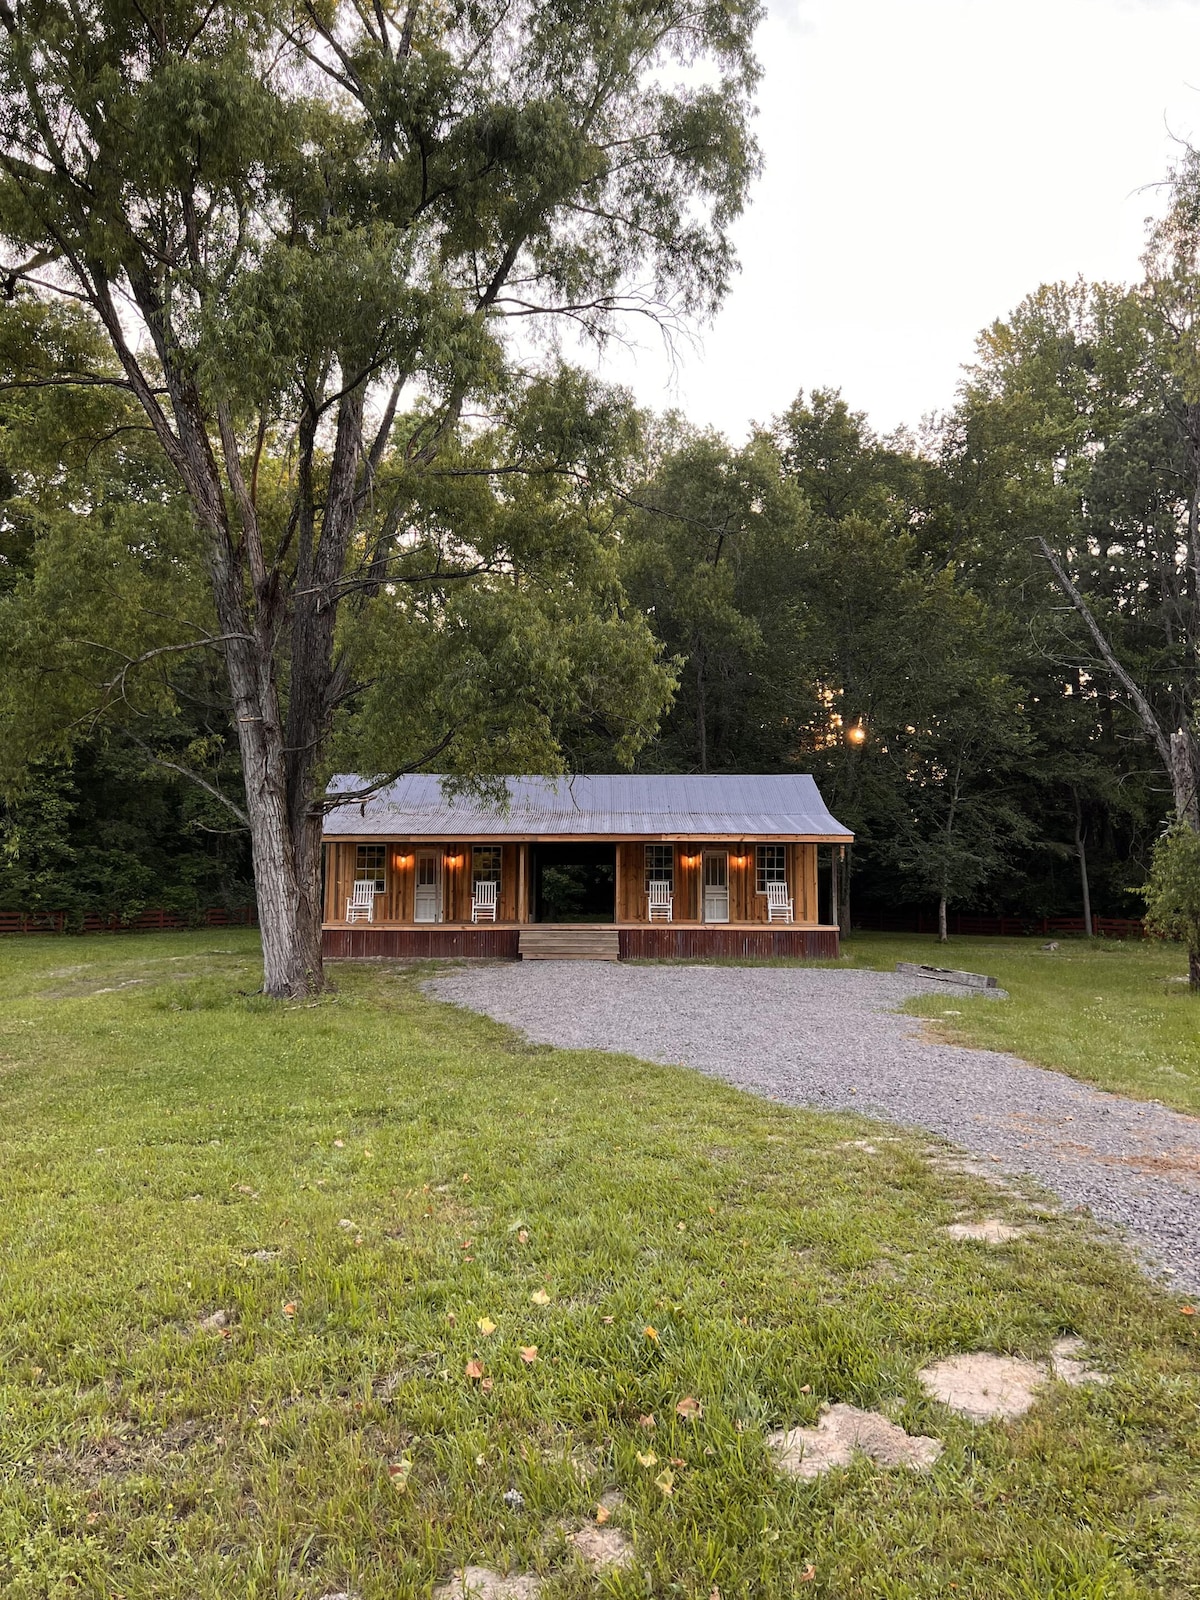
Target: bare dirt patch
<point>124,1452</point>
<point>1067,1367</point>
<point>844,1431</point>
<point>481,1583</point>
<point>989,1231</point>
<point>602,1548</point>
<point>983,1386</point>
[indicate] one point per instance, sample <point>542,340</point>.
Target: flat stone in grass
<point>481,1583</point>
<point>990,1231</point>
<point>841,1432</point>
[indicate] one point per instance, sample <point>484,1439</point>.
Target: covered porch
<point>634,866</point>
<point>661,897</point>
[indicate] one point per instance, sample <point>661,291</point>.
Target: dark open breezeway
<point>574,882</point>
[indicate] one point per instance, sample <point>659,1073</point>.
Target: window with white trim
<point>370,861</point>
<point>660,864</point>
<point>485,864</point>
<point>770,865</point>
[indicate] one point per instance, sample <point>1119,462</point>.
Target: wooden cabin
<point>621,865</point>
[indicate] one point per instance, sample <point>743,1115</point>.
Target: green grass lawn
<point>360,1183</point>
<point>1115,1012</point>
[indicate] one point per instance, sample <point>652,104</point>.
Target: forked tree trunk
<point>285,830</point>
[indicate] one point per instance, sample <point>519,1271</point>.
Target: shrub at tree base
<point>1173,893</point>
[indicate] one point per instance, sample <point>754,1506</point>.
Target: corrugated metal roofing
<point>616,806</point>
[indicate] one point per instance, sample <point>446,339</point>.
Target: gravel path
<point>834,1040</point>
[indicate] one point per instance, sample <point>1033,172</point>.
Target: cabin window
<point>485,864</point>
<point>370,861</point>
<point>660,864</point>
<point>771,865</point>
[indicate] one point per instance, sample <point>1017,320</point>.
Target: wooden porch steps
<point>570,944</point>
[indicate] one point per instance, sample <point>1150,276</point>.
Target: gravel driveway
<point>834,1040</point>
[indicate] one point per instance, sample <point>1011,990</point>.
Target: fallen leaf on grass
<point>649,1459</point>
<point>451,1319</point>
<point>689,1408</point>
<point>264,1422</point>
<point>473,1370</point>
<point>399,1473</point>
<point>523,1236</point>
<point>487,1385</point>
<point>1187,1311</point>
<point>651,1333</point>
<point>666,1482</point>
<point>93,1517</point>
<point>339,1144</point>
<point>608,1321</point>
<point>806,1388</point>
<point>289,1310</point>
<point>808,1574</point>
<point>539,1297</point>
<point>486,1327</point>
<point>602,1515</point>
<point>647,1421</point>
<point>529,1354</point>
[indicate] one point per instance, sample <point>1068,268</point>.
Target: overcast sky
<point>928,163</point>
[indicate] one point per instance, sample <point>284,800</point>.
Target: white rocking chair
<point>362,902</point>
<point>660,901</point>
<point>779,907</point>
<point>483,902</point>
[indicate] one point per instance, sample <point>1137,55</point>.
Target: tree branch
<point>1142,706</point>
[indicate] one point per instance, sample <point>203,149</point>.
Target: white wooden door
<point>716,886</point>
<point>427,903</point>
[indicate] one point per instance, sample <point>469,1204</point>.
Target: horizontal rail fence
<point>144,922</point>
<point>985,927</point>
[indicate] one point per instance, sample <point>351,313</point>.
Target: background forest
<point>978,637</point>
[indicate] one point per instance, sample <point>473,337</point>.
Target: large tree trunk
<point>1194,969</point>
<point>943,933</point>
<point>285,827</point>
<point>1183,779</point>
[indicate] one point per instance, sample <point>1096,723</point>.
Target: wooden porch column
<point>522,883</point>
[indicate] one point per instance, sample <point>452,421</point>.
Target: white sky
<point>928,164</point>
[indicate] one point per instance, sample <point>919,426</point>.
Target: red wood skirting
<point>642,944</point>
<point>636,944</point>
<point>360,943</point>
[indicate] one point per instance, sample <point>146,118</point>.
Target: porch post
<point>833,884</point>
<point>522,883</point>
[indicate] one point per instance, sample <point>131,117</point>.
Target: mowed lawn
<point>1118,1013</point>
<point>451,1266</point>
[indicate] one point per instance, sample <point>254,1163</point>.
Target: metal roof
<point>620,806</point>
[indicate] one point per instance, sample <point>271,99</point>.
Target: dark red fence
<point>978,927</point>
<point>144,922</point>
